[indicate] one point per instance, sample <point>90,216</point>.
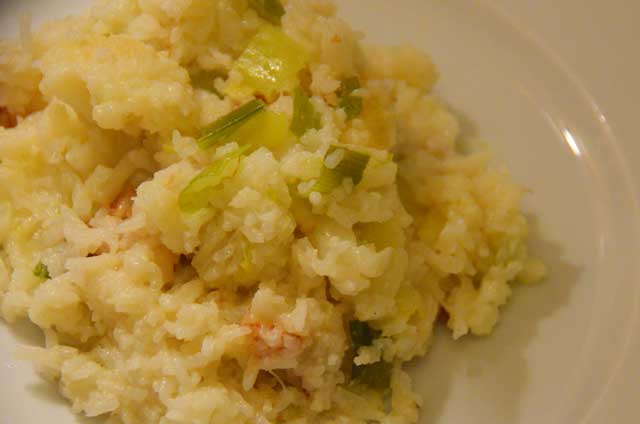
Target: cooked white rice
<point>239,313</point>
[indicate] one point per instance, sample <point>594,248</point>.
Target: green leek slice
<point>269,65</point>
<point>361,334</point>
<point>196,194</point>
<point>305,116</point>
<point>220,130</point>
<point>270,10</point>
<point>376,375</point>
<point>351,166</point>
<point>269,129</point>
<point>351,104</point>
<point>205,80</point>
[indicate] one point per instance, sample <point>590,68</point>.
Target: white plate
<point>552,86</point>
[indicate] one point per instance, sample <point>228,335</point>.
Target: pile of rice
<point>239,313</point>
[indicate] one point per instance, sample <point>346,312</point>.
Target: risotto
<point>230,211</point>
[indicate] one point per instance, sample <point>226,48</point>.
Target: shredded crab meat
<point>271,341</point>
<point>121,206</point>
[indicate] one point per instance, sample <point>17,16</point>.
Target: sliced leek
<point>376,375</point>
<point>352,165</point>
<point>351,104</point>
<point>362,334</point>
<point>269,129</point>
<point>269,10</point>
<point>205,80</point>
<point>305,116</point>
<point>268,66</point>
<point>220,130</point>
<point>197,193</point>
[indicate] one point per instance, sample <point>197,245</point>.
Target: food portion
<point>238,212</point>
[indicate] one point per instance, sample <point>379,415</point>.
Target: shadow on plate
<point>496,363</point>
<point>25,332</point>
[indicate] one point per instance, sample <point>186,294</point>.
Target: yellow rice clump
<point>239,313</point>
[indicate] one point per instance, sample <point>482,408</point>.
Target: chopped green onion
<point>351,166</point>
<point>305,116</point>
<point>270,10</point>
<point>376,375</point>
<point>196,194</point>
<point>269,65</point>
<point>361,334</point>
<point>351,104</point>
<point>41,271</point>
<point>223,128</point>
<point>205,80</point>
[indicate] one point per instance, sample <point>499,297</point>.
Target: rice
<point>240,312</point>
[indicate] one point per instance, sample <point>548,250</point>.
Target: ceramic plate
<point>553,88</point>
